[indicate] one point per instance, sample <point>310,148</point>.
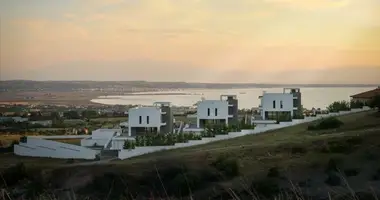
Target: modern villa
<point>280,106</point>
<point>154,119</point>
<point>222,111</point>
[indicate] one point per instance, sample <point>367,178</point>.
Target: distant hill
<point>61,86</point>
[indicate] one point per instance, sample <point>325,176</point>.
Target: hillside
<point>69,86</point>
<point>290,161</point>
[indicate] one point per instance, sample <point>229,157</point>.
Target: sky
<point>255,41</point>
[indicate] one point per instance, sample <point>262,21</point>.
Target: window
<point>216,112</point>
<point>140,120</point>
<point>281,106</point>
<point>208,111</point>
<point>274,104</point>
<point>147,119</point>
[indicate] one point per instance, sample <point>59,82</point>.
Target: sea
<point>248,97</point>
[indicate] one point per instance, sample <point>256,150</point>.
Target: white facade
<point>277,102</point>
<point>148,117</point>
<point>212,110</point>
<point>100,137</point>
<point>36,147</point>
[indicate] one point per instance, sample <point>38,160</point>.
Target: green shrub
<point>129,144</point>
<point>339,106</point>
<point>326,123</point>
<point>228,166</point>
<point>356,104</point>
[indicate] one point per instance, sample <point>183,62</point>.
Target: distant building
<point>157,118</point>
<point>366,97</point>
<point>281,106</point>
<point>223,111</point>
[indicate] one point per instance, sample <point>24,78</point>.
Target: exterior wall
<point>203,106</point>
<point>89,142</point>
<point>35,147</point>
<point>117,144</point>
<point>234,110</point>
<point>168,119</point>
<point>267,103</point>
<point>105,133</point>
<point>154,114</point>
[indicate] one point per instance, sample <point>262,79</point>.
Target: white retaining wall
<point>260,128</point>
<point>36,147</point>
<point>89,142</point>
<point>59,136</point>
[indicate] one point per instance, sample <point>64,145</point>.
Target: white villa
<point>280,106</point>
<point>157,118</point>
<point>222,111</point>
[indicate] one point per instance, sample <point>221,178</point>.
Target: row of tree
<point>346,105</point>
<point>160,139</point>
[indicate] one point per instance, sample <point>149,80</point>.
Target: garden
<point>157,139</point>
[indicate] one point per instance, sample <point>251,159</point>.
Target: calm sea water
<point>248,98</point>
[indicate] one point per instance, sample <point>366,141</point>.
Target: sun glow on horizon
<point>167,39</point>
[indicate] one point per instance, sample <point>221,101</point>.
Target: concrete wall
<point>59,136</point>
<point>89,142</point>
<point>261,128</point>
<point>267,103</point>
<point>35,147</point>
<point>203,106</point>
<point>105,133</point>
<point>154,114</point>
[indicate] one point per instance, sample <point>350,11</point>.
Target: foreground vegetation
<point>324,163</point>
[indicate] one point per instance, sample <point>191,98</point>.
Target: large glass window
<point>140,120</point>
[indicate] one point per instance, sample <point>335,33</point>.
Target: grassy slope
<point>256,154</point>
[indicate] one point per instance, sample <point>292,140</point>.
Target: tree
<point>375,102</point>
<point>71,115</point>
<point>90,114</point>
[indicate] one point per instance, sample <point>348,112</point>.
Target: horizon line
<point>230,83</point>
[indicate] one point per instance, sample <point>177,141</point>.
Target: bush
<point>129,144</point>
<point>339,106</point>
<point>273,172</point>
<point>327,123</point>
<point>356,104</point>
<point>266,188</point>
<point>228,166</point>
<point>13,175</point>
<point>333,180</point>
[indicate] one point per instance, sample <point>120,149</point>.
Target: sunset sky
<point>256,41</point>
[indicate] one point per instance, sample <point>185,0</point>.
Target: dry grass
<point>255,155</point>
